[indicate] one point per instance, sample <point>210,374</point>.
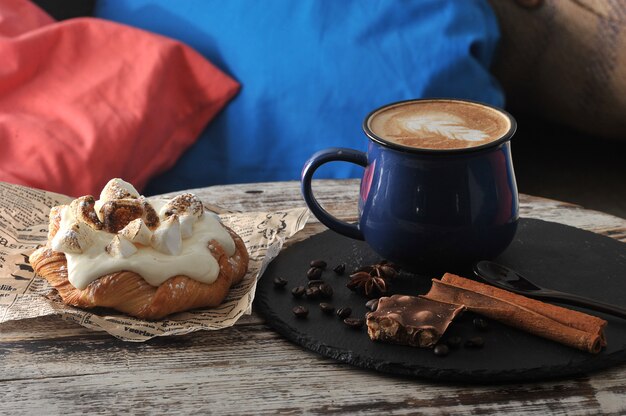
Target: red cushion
<point>86,100</point>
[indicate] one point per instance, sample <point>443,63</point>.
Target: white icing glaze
<point>195,259</point>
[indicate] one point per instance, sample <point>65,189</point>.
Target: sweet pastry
<point>145,258</point>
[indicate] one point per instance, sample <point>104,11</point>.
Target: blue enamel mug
<point>430,207</point>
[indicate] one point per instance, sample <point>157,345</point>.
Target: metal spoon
<point>508,279</point>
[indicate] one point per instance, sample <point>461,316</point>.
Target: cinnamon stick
<point>569,317</point>
<point>539,318</point>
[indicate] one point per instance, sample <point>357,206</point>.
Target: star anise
<point>372,280</point>
<point>382,269</point>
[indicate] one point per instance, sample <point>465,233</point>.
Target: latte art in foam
<point>444,125</point>
<point>439,124</point>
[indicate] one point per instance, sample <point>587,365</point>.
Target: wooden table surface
<point>49,366</point>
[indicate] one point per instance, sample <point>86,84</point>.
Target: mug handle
<point>331,154</point>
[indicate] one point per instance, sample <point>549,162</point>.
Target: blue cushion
<point>311,70</point>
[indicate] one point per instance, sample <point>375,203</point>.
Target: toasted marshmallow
<point>137,232</point>
<point>56,214</point>
<point>120,247</point>
<point>167,238</point>
<point>186,225</point>
<point>117,188</point>
<point>189,209</point>
<point>184,204</point>
<point>118,213</point>
<point>83,210</point>
<point>74,239</point>
<point>150,216</point>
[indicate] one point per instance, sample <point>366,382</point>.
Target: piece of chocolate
<point>410,320</point>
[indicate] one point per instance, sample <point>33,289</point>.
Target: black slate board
<point>551,254</point>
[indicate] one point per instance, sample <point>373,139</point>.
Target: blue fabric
<point>311,70</point>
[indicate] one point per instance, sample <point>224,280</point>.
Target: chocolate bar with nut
<point>410,320</point>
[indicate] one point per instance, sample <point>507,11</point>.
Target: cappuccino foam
<point>439,124</point>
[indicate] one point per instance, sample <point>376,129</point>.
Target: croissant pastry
<point>124,253</point>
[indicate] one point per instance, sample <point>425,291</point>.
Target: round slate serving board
<point>550,254</point>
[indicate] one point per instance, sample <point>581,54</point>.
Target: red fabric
<point>86,100</point>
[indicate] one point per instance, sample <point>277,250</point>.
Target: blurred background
<point>554,161</point>
<point>562,66</point>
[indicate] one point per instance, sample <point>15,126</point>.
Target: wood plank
<point>53,327</point>
<point>199,390</point>
<point>258,372</point>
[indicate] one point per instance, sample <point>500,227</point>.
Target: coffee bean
<point>475,342</point>
<point>441,350</point>
<point>314,273</point>
<point>454,342</point>
<point>372,304</point>
<point>279,282</point>
<point>300,311</point>
<point>340,268</point>
<point>327,308</point>
<point>344,312</point>
<point>355,323</point>
<point>480,324</point>
<point>298,291</point>
<point>312,283</point>
<point>326,291</point>
<point>321,264</point>
<point>312,292</point>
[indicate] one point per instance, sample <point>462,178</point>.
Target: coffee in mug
<point>438,192</point>
<point>439,124</point>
